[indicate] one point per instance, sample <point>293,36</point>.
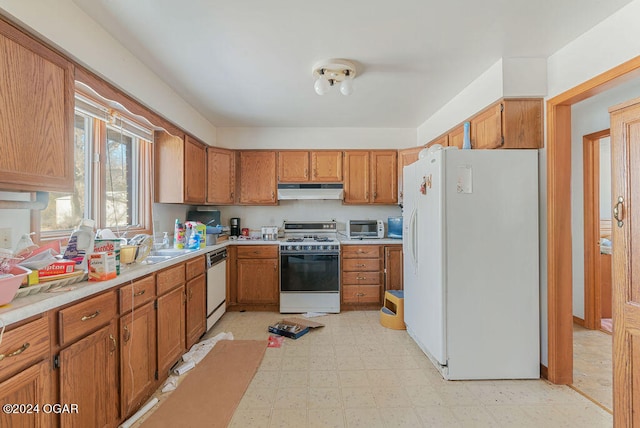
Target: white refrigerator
<point>471,277</point>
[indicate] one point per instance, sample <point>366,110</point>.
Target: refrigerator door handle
<point>412,245</point>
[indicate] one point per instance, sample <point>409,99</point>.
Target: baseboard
<point>578,321</point>
<point>544,372</point>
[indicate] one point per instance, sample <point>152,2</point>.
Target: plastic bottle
<point>178,235</point>
<point>81,243</point>
<point>165,240</point>
<point>194,239</point>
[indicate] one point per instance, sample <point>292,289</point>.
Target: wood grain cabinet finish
<point>362,269</point>
<point>37,109</point>
<point>137,357</point>
<point>257,182</point>
<point>370,177</point>
<point>24,346</point>
<point>196,309</point>
<point>221,176</point>
<point>393,267</point>
<point>456,136</point>
<point>169,278</point>
<point>170,324</point>
<point>180,169</point>
<point>508,124</point>
<point>257,277</point>
<point>82,318</point>
<point>297,166</point>
<point>31,385</point>
<point>89,378</point>
<point>405,157</point>
<point>138,293</point>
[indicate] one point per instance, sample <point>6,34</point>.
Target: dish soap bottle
<point>178,235</point>
<point>165,240</point>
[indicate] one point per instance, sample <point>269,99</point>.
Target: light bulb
<point>321,86</point>
<point>346,87</point>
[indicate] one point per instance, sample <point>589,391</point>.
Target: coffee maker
<point>234,226</point>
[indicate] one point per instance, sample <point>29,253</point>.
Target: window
<point>112,166</point>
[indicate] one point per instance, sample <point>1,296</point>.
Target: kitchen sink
<point>157,259</point>
<point>170,252</point>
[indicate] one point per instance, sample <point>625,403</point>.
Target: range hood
<point>292,191</point>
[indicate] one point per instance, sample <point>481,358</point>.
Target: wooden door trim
<point>559,304</point>
<point>591,177</point>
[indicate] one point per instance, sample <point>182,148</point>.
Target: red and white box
<point>102,266</point>
<point>57,268</point>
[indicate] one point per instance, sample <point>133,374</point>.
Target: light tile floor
<point>592,364</point>
<point>355,373</point>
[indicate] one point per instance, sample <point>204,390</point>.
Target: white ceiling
<point>249,62</point>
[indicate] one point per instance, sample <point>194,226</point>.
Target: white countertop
<point>25,307</point>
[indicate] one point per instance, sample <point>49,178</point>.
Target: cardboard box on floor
<point>299,327</point>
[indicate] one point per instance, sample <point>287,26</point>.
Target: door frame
<point>559,265</point>
<point>591,183</point>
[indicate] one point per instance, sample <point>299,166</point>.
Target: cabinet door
<point>36,119</point>
<point>384,164</point>
<point>257,281</point>
<point>168,168</point>
<point>88,378</point>
<point>443,141</point>
<point>221,176</point>
<point>356,177</point>
<point>137,357</point>
<point>196,309</point>
<point>405,157</point>
<point>326,166</point>
<point>393,279</point>
<point>170,328</point>
<point>486,128</point>
<point>195,167</point>
<point>29,386</point>
<point>258,178</point>
<point>293,166</point>
<point>456,136</point>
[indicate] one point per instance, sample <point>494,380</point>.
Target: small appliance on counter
<point>234,224</point>
<point>394,227</point>
<point>365,229</point>
<point>269,233</point>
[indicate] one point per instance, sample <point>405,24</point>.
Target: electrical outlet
<point>5,238</point>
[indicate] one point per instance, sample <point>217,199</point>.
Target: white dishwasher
<point>216,285</point>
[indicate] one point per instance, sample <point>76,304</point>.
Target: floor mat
<point>210,393</point>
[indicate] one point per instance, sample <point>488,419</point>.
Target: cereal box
<point>108,246</point>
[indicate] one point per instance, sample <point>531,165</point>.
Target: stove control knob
<point>308,248</point>
<point>289,247</point>
<point>297,247</point>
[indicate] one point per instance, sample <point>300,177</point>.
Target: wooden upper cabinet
<point>195,167</point>
<point>356,177</point>
<point>508,124</point>
<point>180,169</point>
<point>293,166</point>
<point>456,136</point>
<point>296,166</point>
<point>443,140</point>
<point>405,157</point>
<point>36,115</point>
<point>221,176</point>
<point>257,182</point>
<point>384,185</point>
<point>326,166</point>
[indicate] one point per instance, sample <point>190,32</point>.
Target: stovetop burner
<point>313,238</point>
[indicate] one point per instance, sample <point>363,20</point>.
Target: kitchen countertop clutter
<point>28,306</point>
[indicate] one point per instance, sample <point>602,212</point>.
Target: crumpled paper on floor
<point>201,349</point>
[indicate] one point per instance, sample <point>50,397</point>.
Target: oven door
<point>308,272</point>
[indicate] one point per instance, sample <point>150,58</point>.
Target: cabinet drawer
<point>170,278</point>
<point>195,267</point>
<point>361,265</point>
<point>258,252</point>
<point>361,251</point>
<point>358,278</point>
<point>23,346</point>
<point>138,293</point>
<point>361,293</point>
<point>82,318</point>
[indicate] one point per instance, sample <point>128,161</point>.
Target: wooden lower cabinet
<point>196,315</point>
<point>258,281</point>
<point>137,357</point>
<point>393,267</point>
<point>88,378</point>
<point>170,328</point>
<point>30,386</point>
<point>361,294</point>
<point>361,276</point>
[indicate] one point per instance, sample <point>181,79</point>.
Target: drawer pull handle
<point>88,317</point>
<point>362,265</point>
<point>127,334</point>
<point>360,294</point>
<point>360,250</point>
<point>361,277</point>
<point>115,344</point>
<point>16,352</point>
<point>190,293</point>
<point>139,293</point>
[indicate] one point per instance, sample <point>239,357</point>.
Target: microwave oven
<point>365,229</point>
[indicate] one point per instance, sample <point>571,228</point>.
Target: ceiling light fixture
<point>334,71</point>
